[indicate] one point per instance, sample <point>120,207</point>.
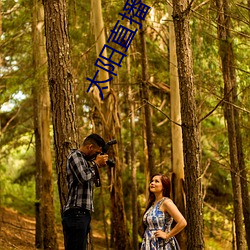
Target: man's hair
<point>94,139</point>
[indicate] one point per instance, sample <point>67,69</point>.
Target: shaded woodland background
<point>137,111</point>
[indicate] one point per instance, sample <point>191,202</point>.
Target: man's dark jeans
<point>76,226</point>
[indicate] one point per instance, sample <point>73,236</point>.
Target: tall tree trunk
<point>96,8</point>
<point>181,16</point>
<point>1,32</point>
<point>176,132</point>
<point>147,108</point>
<point>243,179</point>
<point>61,88</point>
<point>134,179</point>
<point>108,113</point>
<point>230,93</point>
<point>248,3</point>
<point>105,226</point>
<point>133,163</point>
<point>46,237</point>
<point>36,44</point>
<point>1,62</point>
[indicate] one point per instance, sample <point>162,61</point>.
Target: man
<point>82,167</point>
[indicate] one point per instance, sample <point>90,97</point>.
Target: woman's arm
<point>169,207</point>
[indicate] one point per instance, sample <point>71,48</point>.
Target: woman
<point>159,215</point>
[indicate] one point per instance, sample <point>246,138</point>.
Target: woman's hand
<point>161,234</point>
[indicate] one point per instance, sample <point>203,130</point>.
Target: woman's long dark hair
<point>166,185</point>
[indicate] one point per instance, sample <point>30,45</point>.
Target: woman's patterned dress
<point>155,220</point>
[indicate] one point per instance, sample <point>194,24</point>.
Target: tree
<point>61,88</point>
<point>181,16</point>
<point>110,123</point>
<point>96,7</point>
<point>46,237</point>
<point>230,93</point>
<point>1,30</point>
<point>176,133</point>
<point>0,88</point>
<point>243,178</point>
<point>133,162</point>
<point>147,109</point>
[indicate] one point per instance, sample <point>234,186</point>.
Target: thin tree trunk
<point>176,132</point>
<point>189,126</point>
<point>1,32</point>
<point>46,236</point>
<point>230,92</point>
<point>96,7</point>
<point>147,108</point>
<point>61,88</point>
<point>248,3</point>
<point>233,236</point>
<point>104,219</point>
<point>134,179</point>
<point>133,163</point>
<point>243,179</point>
<point>1,62</point>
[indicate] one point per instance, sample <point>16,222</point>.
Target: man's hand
<point>101,160</point>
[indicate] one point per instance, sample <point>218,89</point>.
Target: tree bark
<point>176,132</point>
<point>46,236</point>
<point>181,16</point>
<point>133,163</point>
<point>1,62</point>
<point>243,178</point>
<point>1,31</point>
<point>105,226</point>
<point>147,108</point>
<point>231,116</point>
<point>96,7</point>
<point>61,87</point>
<point>108,112</point>
<point>248,4</point>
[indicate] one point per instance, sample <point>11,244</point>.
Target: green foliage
<point>18,188</point>
<point>26,174</point>
<point>19,197</point>
<point>218,228</point>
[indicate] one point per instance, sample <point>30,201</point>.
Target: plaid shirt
<point>80,179</point>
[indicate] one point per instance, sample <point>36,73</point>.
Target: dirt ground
<point>18,232</point>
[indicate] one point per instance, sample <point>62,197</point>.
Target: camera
<point>110,162</point>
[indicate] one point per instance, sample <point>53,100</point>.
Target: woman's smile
<point>155,184</point>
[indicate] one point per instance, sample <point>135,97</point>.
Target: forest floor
<point>18,232</point>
